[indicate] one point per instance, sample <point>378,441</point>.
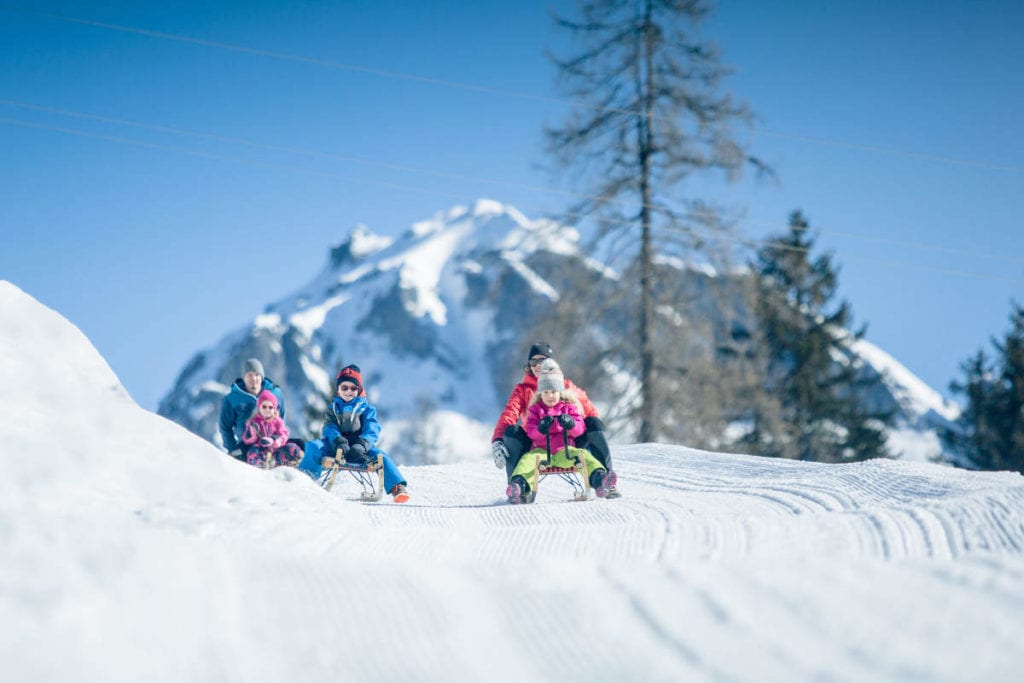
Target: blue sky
<point>158,190</point>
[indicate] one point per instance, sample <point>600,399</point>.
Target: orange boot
<point>398,491</point>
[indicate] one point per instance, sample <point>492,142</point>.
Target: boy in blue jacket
<point>351,426</point>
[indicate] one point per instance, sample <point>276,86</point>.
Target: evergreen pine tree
<point>990,431</point>
<point>1012,378</point>
<point>817,413</point>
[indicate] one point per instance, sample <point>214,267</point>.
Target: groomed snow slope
<point>135,551</point>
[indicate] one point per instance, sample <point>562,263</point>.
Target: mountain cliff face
<point>438,321</point>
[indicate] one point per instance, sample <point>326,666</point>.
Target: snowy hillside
<point>135,551</point>
<point>437,319</point>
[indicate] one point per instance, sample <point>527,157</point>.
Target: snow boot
<point>398,491</point>
<point>518,491</point>
<point>606,483</point>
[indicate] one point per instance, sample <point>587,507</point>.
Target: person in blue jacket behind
<point>240,403</point>
<point>351,426</point>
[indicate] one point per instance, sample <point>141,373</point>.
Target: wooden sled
<point>369,475</point>
<point>269,462</point>
<point>576,476</point>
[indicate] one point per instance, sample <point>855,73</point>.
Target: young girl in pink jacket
<point>554,414</point>
<point>265,434</point>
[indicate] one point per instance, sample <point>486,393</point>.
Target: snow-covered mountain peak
<point>488,224</point>
<point>485,207</point>
<point>358,246</point>
<point>364,242</point>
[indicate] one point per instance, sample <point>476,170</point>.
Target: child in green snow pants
<point>527,467</point>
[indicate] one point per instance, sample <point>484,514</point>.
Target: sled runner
<point>576,476</point>
<point>269,462</point>
<point>369,475</point>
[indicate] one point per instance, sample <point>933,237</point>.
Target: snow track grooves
<point>705,556</point>
<point>672,511</point>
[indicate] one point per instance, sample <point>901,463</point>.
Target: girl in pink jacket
<point>265,434</point>
<point>554,414</point>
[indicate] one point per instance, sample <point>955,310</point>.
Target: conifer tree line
<point>990,431</point>
<point>756,361</point>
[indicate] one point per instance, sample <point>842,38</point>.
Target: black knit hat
<point>541,349</point>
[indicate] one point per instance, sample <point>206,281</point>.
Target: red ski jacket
<point>519,403</point>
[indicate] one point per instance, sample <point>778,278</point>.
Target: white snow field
<point>131,550</point>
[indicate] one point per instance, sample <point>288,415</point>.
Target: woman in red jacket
<point>509,441</point>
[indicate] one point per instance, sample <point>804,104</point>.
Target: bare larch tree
<point>648,112</point>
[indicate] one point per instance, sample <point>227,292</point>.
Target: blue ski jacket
<point>352,418</point>
<point>238,406</point>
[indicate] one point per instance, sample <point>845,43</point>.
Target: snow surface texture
<point>133,550</point>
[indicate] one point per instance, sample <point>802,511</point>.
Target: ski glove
<point>500,454</point>
<point>567,421</point>
<point>356,453</point>
<point>340,444</point>
<point>266,441</point>
<point>544,426</point>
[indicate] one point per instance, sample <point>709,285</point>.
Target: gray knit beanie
<point>252,365</point>
<point>549,376</point>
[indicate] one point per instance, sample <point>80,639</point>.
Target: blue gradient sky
<point>894,126</point>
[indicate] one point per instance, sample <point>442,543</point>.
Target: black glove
<point>341,444</point>
<point>362,442</point>
<point>544,426</point>
<point>567,421</point>
<point>357,452</point>
<point>266,441</point>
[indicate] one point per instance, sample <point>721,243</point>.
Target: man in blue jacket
<point>240,402</point>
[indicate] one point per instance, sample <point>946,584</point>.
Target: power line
<point>755,244</point>
<point>417,169</point>
<point>273,54</point>
<point>745,241</point>
<point>276,148</point>
<point>286,56</point>
<point>219,157</point>
<point>888,150</point>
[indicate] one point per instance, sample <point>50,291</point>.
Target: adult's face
<point>534,363</point>
<point>253,381</point>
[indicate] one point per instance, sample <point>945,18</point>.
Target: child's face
<point>550,397</point>
<point>347,391</point>
<point>268,409</point>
